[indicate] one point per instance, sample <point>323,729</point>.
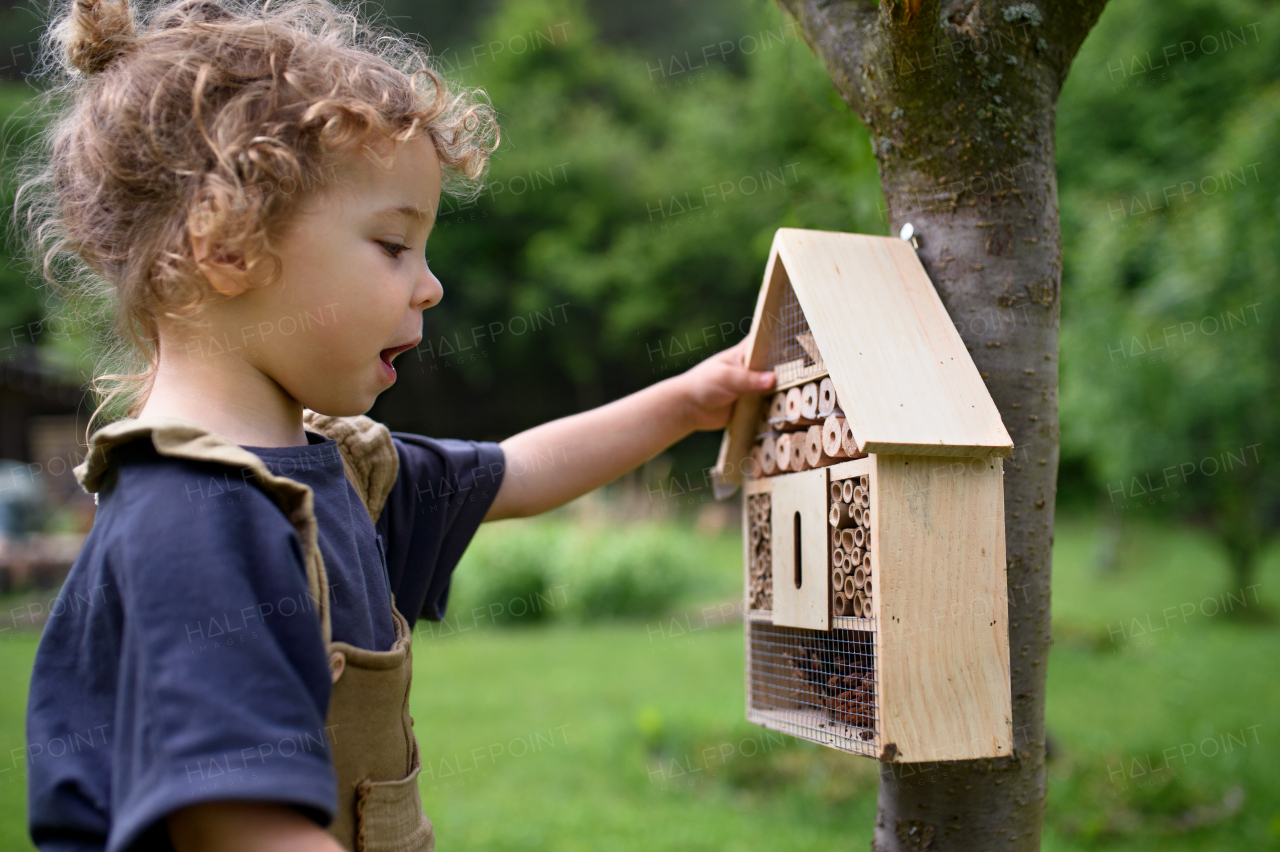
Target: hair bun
<point>98,32</point>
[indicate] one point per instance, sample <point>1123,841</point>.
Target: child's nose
<point>428,291</point>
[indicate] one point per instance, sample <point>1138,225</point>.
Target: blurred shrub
<point>527,571</point>
<point>506,579</point>
<point>641,572</point>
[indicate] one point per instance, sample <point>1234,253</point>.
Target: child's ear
<point>228,274</point>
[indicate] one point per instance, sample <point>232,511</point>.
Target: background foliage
<point>650,151</point>
<point>586,273</point>
<point>1168,131</point>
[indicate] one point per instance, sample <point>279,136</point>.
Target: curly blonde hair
<point>214,119</point>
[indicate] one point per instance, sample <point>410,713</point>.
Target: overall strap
<point>368,455</point>
<point>176,437</point>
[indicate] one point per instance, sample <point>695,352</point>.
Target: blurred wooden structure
<point>43,414</point>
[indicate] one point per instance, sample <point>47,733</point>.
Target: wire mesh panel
<point>793,354</point>
<point>816,685</point>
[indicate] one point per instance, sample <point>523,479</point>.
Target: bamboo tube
<point>809,400</point>
<point>839,516</point>
<point>813,452</point>
<point>826,397</point>
<point>867,590</point>
<point>777,407</point>
<point>860,579</point>
<point>858,598</point>
<point>799,461</point>
<point>831,438</point>
<point>857,495</point>
<point>837,557</point>
<point>782,452</point>
<point>839,603</point>
<point>755,534</point>
<point>865,499</point>
<point>768,455</point>
<point>756,462</point>
<point>793,404</point>
<point>847,442</point>
<point>837,578</point>
<point>866,563</point>
<point>866,607</point>
<point>855,512</point>
<point>848,586</point>
<point>846,540</point>
<point>855,556</point>
<point>859,536</point>
<point>846,491</point>
<point>864,481</point>
<point>836,491</point>
<point>866,518</point>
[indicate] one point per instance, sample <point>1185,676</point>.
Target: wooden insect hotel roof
<point>861,310</point>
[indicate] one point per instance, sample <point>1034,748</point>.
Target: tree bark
<point>1240,529</point>
<point>960,97</point>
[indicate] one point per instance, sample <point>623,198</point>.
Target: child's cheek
<point>355,326</point>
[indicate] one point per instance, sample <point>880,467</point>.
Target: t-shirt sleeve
<point>443,491</point>
<point>224,676</point>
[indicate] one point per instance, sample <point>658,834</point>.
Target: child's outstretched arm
<point>549,465</point>
<point>247,827</point>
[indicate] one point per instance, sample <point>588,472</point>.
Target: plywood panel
<point>735,445</point>
<point>849,469</point>
<point>806,606</point>
<point>941,607</point>
<point>899,366</point>
<point>898,448</point>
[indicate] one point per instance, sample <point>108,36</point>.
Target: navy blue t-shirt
<point>183,661</point>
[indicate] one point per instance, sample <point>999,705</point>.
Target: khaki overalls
<point>375,754</point>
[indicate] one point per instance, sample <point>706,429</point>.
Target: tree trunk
<point>960,98</point>
<point>1239,527</point>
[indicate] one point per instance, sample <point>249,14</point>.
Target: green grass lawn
<point>631,736</point>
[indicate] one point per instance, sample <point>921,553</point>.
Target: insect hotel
<point>875,599</point>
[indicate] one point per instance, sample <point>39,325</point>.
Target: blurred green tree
<point>1168,133</point>
<point>628,217</point>
<point>22,308</point>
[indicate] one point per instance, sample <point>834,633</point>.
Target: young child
<point>255,188</point>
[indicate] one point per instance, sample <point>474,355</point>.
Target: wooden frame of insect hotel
<point>875,598</point>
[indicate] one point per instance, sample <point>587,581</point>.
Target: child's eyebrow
<point>410,211</point>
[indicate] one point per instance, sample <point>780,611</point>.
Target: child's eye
<point>393,249</point>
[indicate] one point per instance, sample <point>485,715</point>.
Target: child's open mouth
<point>386,355</point>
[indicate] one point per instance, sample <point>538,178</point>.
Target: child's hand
<point>714,385</point>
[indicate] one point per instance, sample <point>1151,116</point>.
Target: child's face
<point>354,282</point>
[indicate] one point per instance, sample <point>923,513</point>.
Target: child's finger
<point>735,354</point>
<point>741,380</point>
